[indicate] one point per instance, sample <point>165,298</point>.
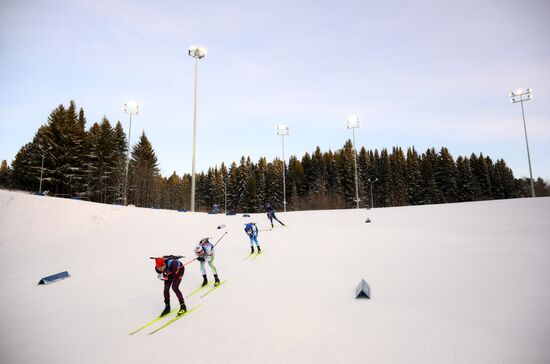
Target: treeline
<point>91,164</point>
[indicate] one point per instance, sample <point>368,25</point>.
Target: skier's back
<point>171,271</point>
<point>252,231</point>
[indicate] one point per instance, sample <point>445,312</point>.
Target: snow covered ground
<point>456,283</point>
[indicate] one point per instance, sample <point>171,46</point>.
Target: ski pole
<point>212,247</point>
<point>220,238</point>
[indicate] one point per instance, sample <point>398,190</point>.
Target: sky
<point>416,73</point>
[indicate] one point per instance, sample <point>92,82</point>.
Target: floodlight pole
<point>132,109</point>
<point>282,131</point>
<point>284,173</point>
<point>353,123</point>
<point>197,53</point>
<point>514,95</point>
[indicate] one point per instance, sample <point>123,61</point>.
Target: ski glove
<point>161,277</point>
<point>200,259</point>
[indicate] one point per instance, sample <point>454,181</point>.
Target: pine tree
<point>384,184</point>
<point>481,176</point>
<point>444,171</point>
<point>120,149</point>
<point>224,175</point>
<point>398,169</point>
<point>333,181</point>
<point>319,169</point>
<point>261,184</point>
<point>5,174</point>
<point>26,169</point>
<point>345,165</point>
<point>104,162</point>
<point>413,178</point>
<point>505,178</point>
<point>305,183</point>
<point>275,183</point>
<point>465,183</point>
<point>233,196</point>
<point>431,194</point>
<point>143,172</point>
<point>295,178</point>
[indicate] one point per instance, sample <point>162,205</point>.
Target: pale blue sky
<point>422,73</point>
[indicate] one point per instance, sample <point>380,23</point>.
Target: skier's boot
<point>183,309</point>
<point>205,280</point>
<point>251,250</point>
<point>259,249</point>
<point>216,280</point>
<point>166,310</point>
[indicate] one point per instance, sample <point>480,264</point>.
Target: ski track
<point>455,283</point>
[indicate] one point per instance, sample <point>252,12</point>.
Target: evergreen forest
<point>67,160</point>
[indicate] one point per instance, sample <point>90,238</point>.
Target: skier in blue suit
<point>271,214</point>
<point>252,231</point>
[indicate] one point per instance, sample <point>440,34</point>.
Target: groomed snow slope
<point>456,283</point>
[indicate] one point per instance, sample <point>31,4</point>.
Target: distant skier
<point>252,231</point>
<point>271,214</point>
<point>171,271</point>
<point>205,253</point>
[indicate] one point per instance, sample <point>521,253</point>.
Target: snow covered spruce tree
<point>5,174</point>
<point>384,190</point>
<point>413,178</point>
<point>333,181</point>
<point>275,184</point>
<point>345,164</point>
<point>481,177</point>
<point>62,143</point>
<point>26,173</point>
<point>106,162</point>
<point>444,170</point>
<point>295,185</point>
<point>504,181</point>
<point>233,195</point>
<point>398,170</point>
<point>319,174</point>
<point>261,185</point>
<point>431,194</point>
<point>144,173</point>
<point>465,183</point>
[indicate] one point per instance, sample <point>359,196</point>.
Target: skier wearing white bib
<point>205,253</point>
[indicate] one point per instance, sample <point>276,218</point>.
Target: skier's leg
<point>251,244</point>
<point>203,271</point>
<point>257,244</point>
<point>175,287</point>
<point>212,267</point>
<point>166,298</point>
<point>215,271</point>
<point>275,217</point>
<point>167,292</point>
